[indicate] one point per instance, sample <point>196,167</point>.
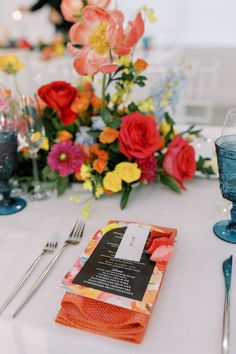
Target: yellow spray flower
<point>88,185</point>
<point>85,172</point>
<point>150,13</point>
<point>128,171</point>
<point>112,182</point>
<point>10,64</point>
<point>147,105</point>
<point>164,129</point>
<point>45,144</point>
<point>124,60</point>
<point>87,209</point>
<point>99,191</point>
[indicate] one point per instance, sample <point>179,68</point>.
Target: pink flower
<point>100,37</point>
<point>148,167</point>
<point>72,9</point>
<point>179,161</point>
<point>65,158</point>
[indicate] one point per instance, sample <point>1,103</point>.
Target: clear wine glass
<point>226,157</point>
<point>9,127</point>
<point>33,135</point>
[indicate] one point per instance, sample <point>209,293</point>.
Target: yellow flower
<point>165,127</point>
<point>112,182</point>
<point>164,103</point>
<point>10,64</point>
<point>85,172</point>
<point>150,13</point>
<point>45,144</point>
<point>35,137</point>
<point>99,191</point>
<point>124,60</point>
<point>88,185</point>
<point>59,48</point>
<point>87,209</point>
<point>147,105</point>
<point>128,171</point>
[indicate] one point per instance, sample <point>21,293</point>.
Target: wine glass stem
<point>5,190</point>
<point>233,215</point>
<point>35,170</point>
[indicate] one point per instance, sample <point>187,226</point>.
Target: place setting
<point>125,158</point>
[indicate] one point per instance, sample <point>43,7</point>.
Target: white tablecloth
<point>187,317</point>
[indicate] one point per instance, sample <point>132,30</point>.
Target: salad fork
<point>50,247</point>
<point>227,271</point>
<point>74,238</point>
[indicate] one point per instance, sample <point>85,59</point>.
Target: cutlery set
<point>74,238</point>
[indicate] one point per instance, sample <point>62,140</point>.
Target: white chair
<point>197,103</point>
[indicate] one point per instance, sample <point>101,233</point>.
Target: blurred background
<point>201,33</point>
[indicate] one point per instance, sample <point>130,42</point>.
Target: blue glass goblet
<point>8,151</point>
<point>226,157</point>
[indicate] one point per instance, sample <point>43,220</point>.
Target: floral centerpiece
<point>110,142</point>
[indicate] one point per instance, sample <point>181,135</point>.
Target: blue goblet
<point>226,157</point>
<point>8,151</point>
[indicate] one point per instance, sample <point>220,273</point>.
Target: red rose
<point>138,136</point>
<point>59,95</point>
<point>179,161</point>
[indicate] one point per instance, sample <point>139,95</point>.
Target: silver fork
<point>74,238</point>
<point>49,248</point>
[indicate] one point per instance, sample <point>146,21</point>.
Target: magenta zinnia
<point>148,167</point>
<point>65,158</point>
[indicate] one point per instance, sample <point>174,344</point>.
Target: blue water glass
<point>8,151</point>
<point>226,157</point>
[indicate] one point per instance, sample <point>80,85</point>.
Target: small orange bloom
<point>96,102</point>
<point>101,154</point>
<point>99,165</point>
<point>79,105</point>
<point>86,90</point>
<point>64,135</point>
<point>108,135</point>
<point>78,176</point>
<point>161,141</point>
<point>140,65</point>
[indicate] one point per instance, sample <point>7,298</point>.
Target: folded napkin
<point>99,312</point>
<point>102,318</point>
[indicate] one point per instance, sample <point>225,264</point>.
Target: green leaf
<point>115,147</point>
<point>94,133</point>
<point>49,175</point>
<point>125,196</point>
<point>106,116</point>
<point>170,182</point>
<point>62,185</point>
<point>140,78</point>
<point>141,83</point>
<point>133,107</point>
<point>115,123</point>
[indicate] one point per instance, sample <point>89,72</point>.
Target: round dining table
<point>187,316</point>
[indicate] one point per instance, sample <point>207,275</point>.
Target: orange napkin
<point>102,318</point>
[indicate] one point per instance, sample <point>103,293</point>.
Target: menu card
<point>116,269</point>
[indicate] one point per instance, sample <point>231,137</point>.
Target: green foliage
<point>203,168</point>
<point>125,196</point>
<point>170,182</point>
<point>62,184</point>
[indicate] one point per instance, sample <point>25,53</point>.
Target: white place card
<point>133,242</point>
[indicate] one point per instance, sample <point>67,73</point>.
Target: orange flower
<point>64,135</point>
<point>101,154</point>
<point>79,105</point>
<point>96,102</point>
<point>140,65</point>
<point>108,135</point>
<point>99,165</point>
<point>161,142</point>
<point>86,90</point>
<point>78,176</point>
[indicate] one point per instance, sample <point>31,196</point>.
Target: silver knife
<point>227,271</point>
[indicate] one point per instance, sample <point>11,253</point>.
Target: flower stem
<point>103,90</point>
<point>16,85</point>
